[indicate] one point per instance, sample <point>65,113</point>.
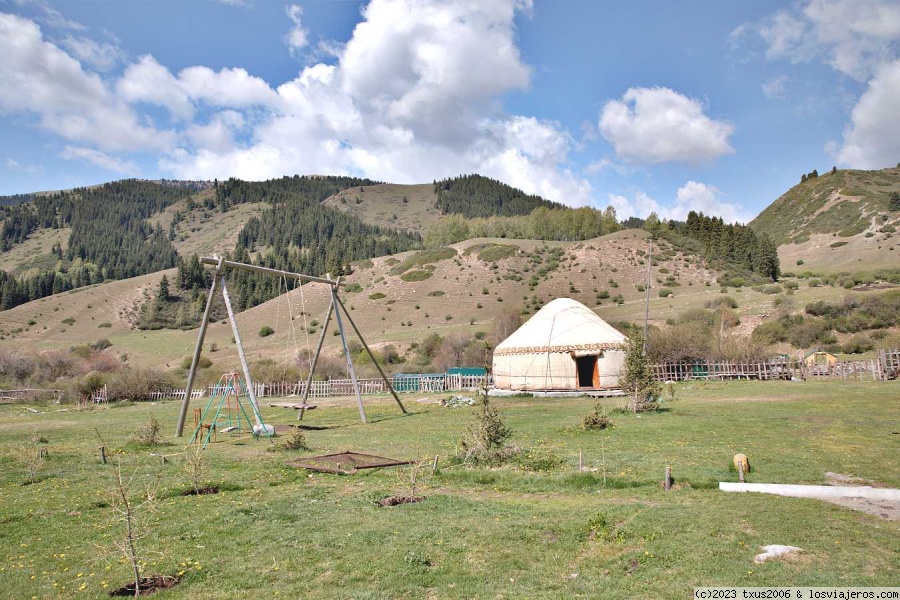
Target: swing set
<point>232,386</point>
<point>226,404</point>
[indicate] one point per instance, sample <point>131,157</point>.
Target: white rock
<point>774,551</point>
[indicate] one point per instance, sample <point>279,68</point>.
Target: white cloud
<point>872,139</point>
<point>774,89</point>
<point>102,56</point>
<point>853,36</point>
<point>37,77</point>
<point>859,39</point>
<point>14,165</point>
<point>297,37</point>
<point>100,159</point>
<point>148,81</point>
<point>699,197</point>
<point>239,3</point>
<point>413,95</point>
<point>704,198</point>
<point>656,125</point>
<point>641,206</point>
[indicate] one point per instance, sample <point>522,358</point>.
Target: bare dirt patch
<point>148,585</point>
<point>886,509</point>
<point>397,500</point>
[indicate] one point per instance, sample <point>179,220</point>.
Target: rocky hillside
<point>836,221</point>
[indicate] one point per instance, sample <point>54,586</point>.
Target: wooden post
<point>340,324</point>
<point>434,465</point>
<point>179,429</point>
<point>741,472</point>
<point>312,367</point>
<point>245,366</point>
<point>580,461</point>
<point>372,356</point>
<point>103,454</point>
<point>667,484</point>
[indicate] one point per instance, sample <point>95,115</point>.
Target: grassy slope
<point>35,251</point>
<point>380,203</point>
<point>484,533</point>
<point>835,207</point>
<point>205,231</point>
<point>394,318</point>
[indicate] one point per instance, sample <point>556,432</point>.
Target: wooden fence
<point>437,382</point>
<point>29,395</point>
<point>885,366</point>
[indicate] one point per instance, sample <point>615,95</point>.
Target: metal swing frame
<point>335,309</point>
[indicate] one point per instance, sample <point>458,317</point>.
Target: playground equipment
<point>226,404</point>
<point>336,308</point>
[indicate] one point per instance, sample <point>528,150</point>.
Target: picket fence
<point>885,366</point>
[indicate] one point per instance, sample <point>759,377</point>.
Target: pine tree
<point>894,201</point>
<point>638,382</point>
<point>162,292</point>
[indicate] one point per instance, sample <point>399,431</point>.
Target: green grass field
<point>481,533</point>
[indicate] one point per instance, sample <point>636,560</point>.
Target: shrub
<point>295,440</point>
<point>799,261</point>
<point>266,331</point>
<point>149,433</point>
<point>487,439</point>
<point>376,296</point>
<point>419,275</point>
<point>101,344</point>
<point>203,363</point>
<point>435,293</point>
<point>858,344</point>
<point>15,365</point>
<point>104,325</point>
<point>137,383</point>
<point>665,292</point>
<point>726,300</point>
<point>538,459</point>
<point>596,419</point>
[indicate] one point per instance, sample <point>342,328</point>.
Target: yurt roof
<point>563,325</point>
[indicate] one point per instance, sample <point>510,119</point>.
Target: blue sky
<point>645,106</point>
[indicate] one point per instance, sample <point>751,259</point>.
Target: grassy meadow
<point>509,532</point>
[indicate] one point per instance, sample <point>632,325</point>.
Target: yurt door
<point>588,373</point>
<point>596,379</point>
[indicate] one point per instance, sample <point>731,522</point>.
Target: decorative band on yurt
<point>566,348</point>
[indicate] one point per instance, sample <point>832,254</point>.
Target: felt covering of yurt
<point>564,346</point>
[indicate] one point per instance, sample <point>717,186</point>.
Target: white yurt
<point>564,346</point>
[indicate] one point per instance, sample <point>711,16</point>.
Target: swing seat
<point>294,405</point>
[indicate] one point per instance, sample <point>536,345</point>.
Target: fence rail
<point>442,382</point>
<point>29,395</point>
<point>885,366</point>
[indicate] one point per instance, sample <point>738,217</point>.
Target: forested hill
<point>477,196</point>
<point>110,236</point>
<point>732,246</point>
<point>300,234</point>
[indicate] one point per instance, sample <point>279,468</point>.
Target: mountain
<point>837,221</point>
